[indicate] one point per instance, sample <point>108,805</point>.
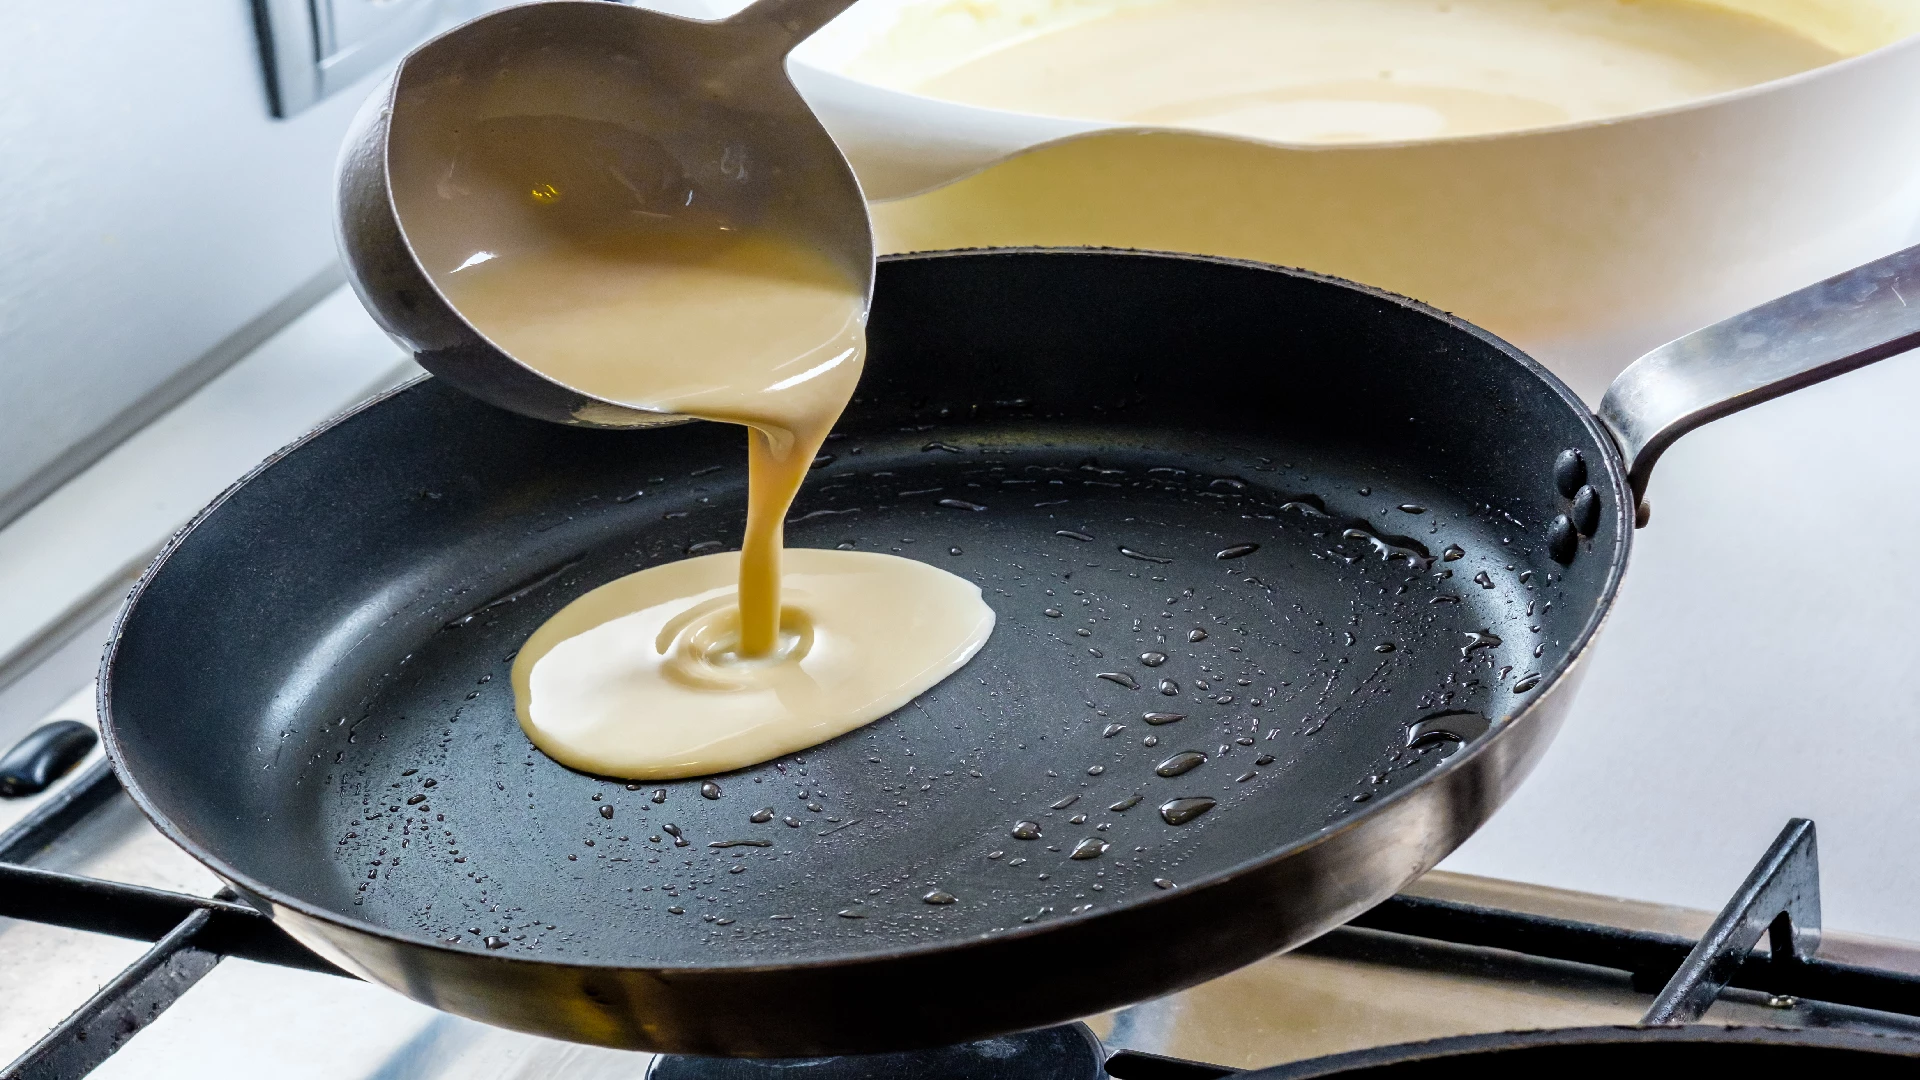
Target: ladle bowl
<point>582,117</point>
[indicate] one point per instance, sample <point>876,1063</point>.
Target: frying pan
<point>1310,565</point>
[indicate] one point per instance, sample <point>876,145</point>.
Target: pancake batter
<point>1342,71</point>
<point>714,663</point>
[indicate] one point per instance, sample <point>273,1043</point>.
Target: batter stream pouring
<point>720,661</point>
<point>627,219</point>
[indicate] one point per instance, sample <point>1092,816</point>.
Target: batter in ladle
<point>718,662</point>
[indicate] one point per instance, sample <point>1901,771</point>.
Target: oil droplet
<point>709,790</point>
<point>1481,579</point>
<point>1183,762</point>
<point>1451,726</point>
<point>1096,770</point>
<point>1236,551</point>
<point>659,795</point>
<point>1026,830</point>
<point>1111,730</point>
<point>961,504</point>
<point>493,942</point>
<point>1196,634</point>
<point>850,913</point>
<point>955,551</point>
<point>761,816</point>
<point>1162,883</point>
<point>1053,613</point>
<point>1159,718</point>
<point>1384,647</point>
<point>1090,848</point>
<point>1153,659</point>
<point>606,811</point>
<point>1181,811</point>
<point>674,831</point>
<point>1479,639</point>
<point>739,843</point>
<point>1389,548</point>
<point>1125,804</point>
<point>1071,535</point>
<point>1064,802</point>
<point>1526,683</point>
<point>1169,687</point>
<point>1307,506</point>
<point>1143,556</point>
<point>1150,741</point>
<point>1453,553</point>
<point>938,898</point>
<point>1412,508</point>
<point>1120,677</point>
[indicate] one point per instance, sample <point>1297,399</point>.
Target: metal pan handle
<point>1844,322</point>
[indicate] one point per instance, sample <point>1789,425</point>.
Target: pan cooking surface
<point>1297,667</point>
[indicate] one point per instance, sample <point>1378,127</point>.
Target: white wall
<point>149,206</point>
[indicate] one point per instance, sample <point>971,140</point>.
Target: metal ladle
<point>615,116</point>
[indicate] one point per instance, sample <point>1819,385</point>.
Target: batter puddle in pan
<point>725,661</point>
<point>1026,787</point>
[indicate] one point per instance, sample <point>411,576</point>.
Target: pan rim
<point>1616,481</point>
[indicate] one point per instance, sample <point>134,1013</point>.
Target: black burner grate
<point>191,934</point>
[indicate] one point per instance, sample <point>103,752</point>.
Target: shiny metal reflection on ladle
<point>598,116</point>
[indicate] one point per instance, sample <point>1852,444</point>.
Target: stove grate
<point>191,934</point>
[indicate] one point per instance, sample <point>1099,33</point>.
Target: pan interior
<point>1305,596</point>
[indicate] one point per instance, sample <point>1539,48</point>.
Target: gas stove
<point>1703,728</point>
<point>187,978</point>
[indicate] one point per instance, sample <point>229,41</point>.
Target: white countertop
<point>1760,665</point>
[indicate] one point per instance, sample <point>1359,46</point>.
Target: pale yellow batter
<point>745,330</point>
<point>638,677</point>
<point>720,662</point>
<point>1342,71</point>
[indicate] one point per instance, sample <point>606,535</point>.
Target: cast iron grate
<point>191,934</point>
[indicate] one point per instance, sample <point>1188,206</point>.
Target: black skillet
<point>308,690</point>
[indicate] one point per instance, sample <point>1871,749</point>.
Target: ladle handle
<point>796,20</point>
<point>1844,322</point>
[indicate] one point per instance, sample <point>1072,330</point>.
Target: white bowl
<point>1585,244</point>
